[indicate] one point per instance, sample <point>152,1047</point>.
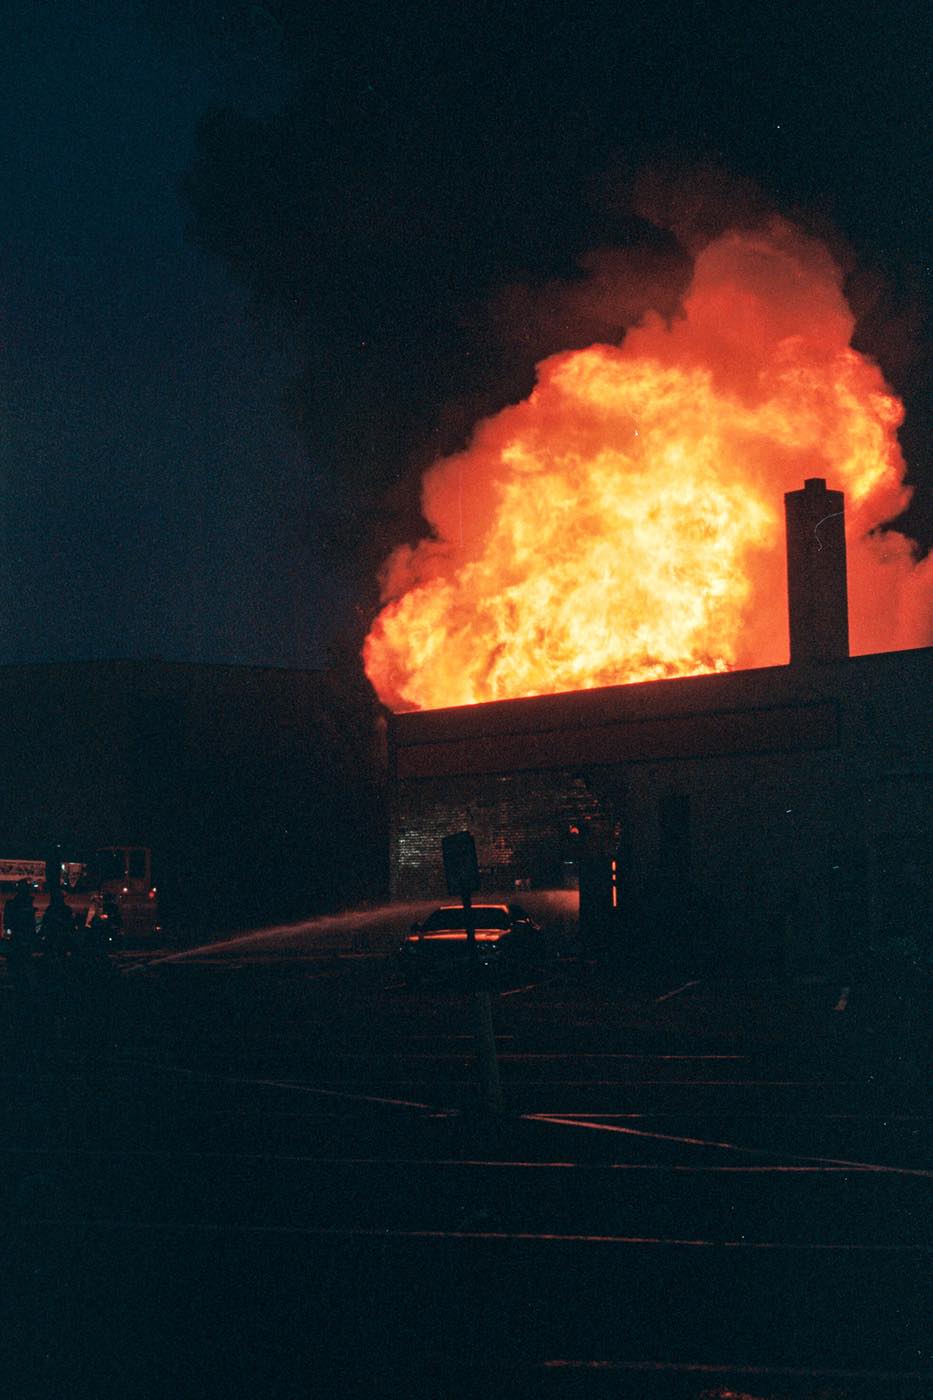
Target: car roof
<point>444,907</point>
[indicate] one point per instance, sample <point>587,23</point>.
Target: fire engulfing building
<point>756,813</point>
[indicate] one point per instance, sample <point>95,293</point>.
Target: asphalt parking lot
<point>259,1168</point>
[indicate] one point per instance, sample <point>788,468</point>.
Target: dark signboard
<point>460,865</point>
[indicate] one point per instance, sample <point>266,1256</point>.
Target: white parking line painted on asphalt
<point>520,1056</point>
<point>726,1146</point>
<point>645,1083</point>
<point>295,1086</point>
<point>677,991</point>
<point>558,1120</point>
<point>530,987</point>
<point>517,1057</point>
<point>304,1159</point>
<point>705,1368</point>
<point>530,1236</point>
<point>843,1001</point>
<point>884,1119</point>
<point>443,1035</point>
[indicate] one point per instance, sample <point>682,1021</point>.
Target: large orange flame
<point>625,522</point>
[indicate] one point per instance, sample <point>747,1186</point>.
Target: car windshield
<point>484,917</point>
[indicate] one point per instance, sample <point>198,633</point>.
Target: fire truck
<point>123,871</point>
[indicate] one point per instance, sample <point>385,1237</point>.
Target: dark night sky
<point>253,255</point>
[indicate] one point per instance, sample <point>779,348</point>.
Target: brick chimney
<point>816,573</point>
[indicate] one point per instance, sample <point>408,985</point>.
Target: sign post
<point>462,874</point>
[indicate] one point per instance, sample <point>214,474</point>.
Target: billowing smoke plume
<point>625,521</point>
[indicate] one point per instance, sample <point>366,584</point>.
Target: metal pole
<point>486,1059</point>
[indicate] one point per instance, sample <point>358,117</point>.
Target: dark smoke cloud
<point>611,290</point>
<point>430,219</point>
<point>696,202</point>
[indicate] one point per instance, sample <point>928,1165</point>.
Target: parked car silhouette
<point>506,935</point>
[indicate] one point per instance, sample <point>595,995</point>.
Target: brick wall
<point>519,821</point>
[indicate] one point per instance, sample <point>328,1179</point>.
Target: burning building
<point>623,523</point>
<point>590,654</point>
<point>790,801</point>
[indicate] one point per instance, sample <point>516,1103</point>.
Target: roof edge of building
<point>756,686</point>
